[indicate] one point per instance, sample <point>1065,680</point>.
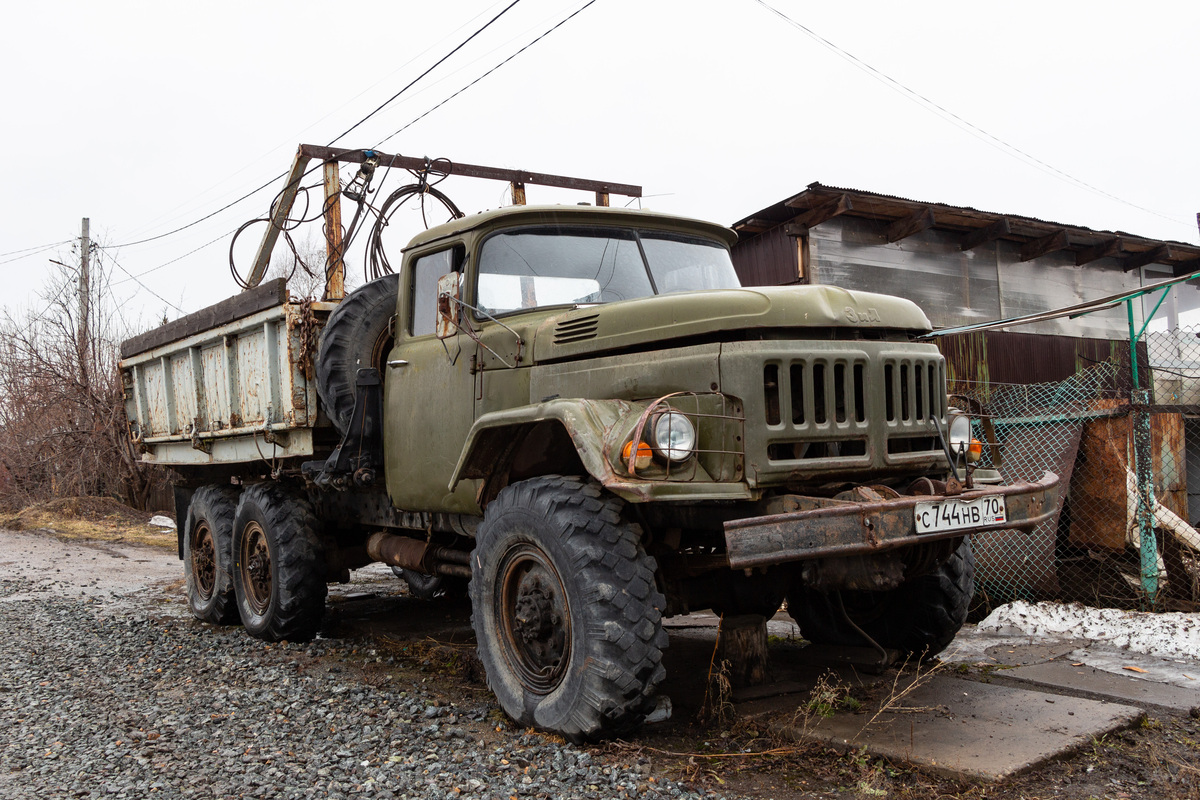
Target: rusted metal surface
<point>240,391</point>
<point>1099,490</point>
<point>414,554</point>
<point>335,265</point>
<point>854,528</point>
<point>473,171</point>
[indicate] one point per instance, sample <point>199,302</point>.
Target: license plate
<point>950,515</point>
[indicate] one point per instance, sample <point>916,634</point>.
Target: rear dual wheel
<point>278,569</point>
<point>208,554</point>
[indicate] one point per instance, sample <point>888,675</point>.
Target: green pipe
<point>1143,464</point>
<point>1146,322</point>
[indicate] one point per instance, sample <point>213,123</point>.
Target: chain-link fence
<point>1124,533</point>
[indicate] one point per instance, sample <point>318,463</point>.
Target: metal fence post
<point>1143,468</point>
<point>1143,465</point>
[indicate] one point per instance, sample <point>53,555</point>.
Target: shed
<point>1051,384</point>
<point>962,265</point>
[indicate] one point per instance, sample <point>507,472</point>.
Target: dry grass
<point>99,518</point>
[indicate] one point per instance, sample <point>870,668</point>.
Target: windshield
<point>532,267</point>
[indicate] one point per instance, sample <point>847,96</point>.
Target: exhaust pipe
<point>406,553</point>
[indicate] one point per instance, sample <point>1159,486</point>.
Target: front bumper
<point>858,528</point>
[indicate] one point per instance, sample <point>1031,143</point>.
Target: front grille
<point>866,407</point>
<point>914,390</point>
<point>815,392</point>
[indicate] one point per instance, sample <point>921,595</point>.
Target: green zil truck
<point>578,414</point>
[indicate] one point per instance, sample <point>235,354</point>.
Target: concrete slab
<point>1020,654</point>
<point>965,729</point>
<point>1086,681</point>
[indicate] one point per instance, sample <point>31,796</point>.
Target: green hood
<point>650,320</point>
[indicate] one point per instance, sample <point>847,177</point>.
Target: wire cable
<point>955,119</point>
<point>272,151</point>
<point>32,251</point>
<point>173,260</point>
<point>436,64</point>
<point>40,248</point>
<point>383,105</point>
<point>549,31</point>
<point>117,264</point>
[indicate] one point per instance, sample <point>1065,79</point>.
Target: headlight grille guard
<point>720,424</point>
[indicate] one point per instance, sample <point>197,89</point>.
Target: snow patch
<point>1172,635</point>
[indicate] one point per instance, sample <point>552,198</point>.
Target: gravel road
<point>108,689</point>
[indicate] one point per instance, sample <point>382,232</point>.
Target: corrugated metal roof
<point>819,202</point>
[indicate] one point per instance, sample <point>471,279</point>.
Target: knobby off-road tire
<point>566,613</point>
<point>278,572</point>
<point>920,617</point>
<point>356,335</point>
<point>208,554</point>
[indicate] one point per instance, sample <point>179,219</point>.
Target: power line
<point>38,248</point>
<point>117,264</point>
<point>317,122</point>
<point>32,251</point>
<point>955,119</point>
<point>437,64</point>
<point>251,193</point>
<point>383,105</point>
<point>173,260</point>
<point>549,31</point>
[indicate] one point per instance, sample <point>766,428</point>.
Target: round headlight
<point>672,436</point>
<point>960,431</point>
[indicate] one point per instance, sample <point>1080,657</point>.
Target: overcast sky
<point>147,116</point>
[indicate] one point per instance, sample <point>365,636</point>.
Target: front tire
<point>278,574</point>
<point>565,610</point>
<point>208,555</point>
<point>920,617</point>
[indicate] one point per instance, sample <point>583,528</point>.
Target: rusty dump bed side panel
<point>235,392</point>
<point>852,528</point>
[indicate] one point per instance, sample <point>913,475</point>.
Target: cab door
<point>429,395</point>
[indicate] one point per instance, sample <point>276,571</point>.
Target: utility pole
<point>84,296</point>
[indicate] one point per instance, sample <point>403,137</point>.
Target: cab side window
<point>425,274</point>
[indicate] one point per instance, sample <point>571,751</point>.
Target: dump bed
<point>232,383</point>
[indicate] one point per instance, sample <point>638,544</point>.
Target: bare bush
<point>62,418</point>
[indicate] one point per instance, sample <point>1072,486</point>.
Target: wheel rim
<point>204,560</point>
<point>256,568</point>
<point>535,618</point>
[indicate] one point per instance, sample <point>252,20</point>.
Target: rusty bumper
<point>857,528</point>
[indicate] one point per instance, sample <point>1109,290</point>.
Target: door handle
<point>399,362</point>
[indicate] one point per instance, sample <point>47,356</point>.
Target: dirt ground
<point>1158,758</point>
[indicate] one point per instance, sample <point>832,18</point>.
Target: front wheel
<point>565,610</point>
<point>278,574</point>
<point>920,617</point>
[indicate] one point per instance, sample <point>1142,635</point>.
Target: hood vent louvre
<point>576,330</point>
